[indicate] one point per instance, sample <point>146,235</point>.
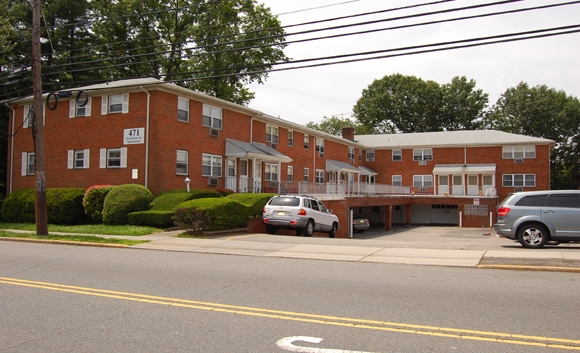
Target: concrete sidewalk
<point>433,246</point>
<point>255,245</point>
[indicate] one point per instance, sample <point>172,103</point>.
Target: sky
<point>310,94</point>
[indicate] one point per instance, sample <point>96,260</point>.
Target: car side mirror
<point>329,211</point>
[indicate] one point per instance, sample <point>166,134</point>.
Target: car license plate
<point>281,213</point>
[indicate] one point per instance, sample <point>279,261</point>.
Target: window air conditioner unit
<point>214,132</point>
<point>321,155</point>
<point>212,181</point>
<point>518,189</point>
<point>518,160</point>
<point>272,184</point>
<point>422,162</point>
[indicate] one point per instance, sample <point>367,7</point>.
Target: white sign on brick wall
<point>134,136</point>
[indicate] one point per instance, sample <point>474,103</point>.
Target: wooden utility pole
<point>38,125</point>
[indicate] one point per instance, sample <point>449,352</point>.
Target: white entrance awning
<point>338,166</point>
<point>260,151</point>
<point>367,172</point>
<point>464,169</point>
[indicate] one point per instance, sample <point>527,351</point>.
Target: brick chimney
<point>348,133</point>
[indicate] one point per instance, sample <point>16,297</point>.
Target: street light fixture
<point>187,181</point>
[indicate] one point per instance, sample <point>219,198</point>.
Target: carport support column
<point>408,214</point>
<point>388,217</point>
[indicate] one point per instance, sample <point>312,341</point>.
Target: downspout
<point>146,178</point>
<point>11,149</point>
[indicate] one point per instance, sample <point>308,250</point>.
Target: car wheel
<point>360,230</point>
<point>332,232</point>
<point>270,229</point>
<point>309,229</point>
<point>533,236</point>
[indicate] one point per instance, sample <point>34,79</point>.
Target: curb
<point>531,268</point>
<point>65,242</point>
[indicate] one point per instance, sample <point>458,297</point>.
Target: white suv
<point>303,213</point>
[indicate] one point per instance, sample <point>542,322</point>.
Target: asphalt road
<point>119,300</point>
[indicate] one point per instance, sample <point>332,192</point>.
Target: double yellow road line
<point>509,338</point>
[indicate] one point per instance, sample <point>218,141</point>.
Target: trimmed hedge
<point>222,213</point>
<point>167,201</point>
<point>64,206</point>
<point>94,200</point>
<point>151,218</point>
<point>254,202</point>
<point>124,199</point>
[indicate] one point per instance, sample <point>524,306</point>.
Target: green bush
<point>63,206</point>
<point>19,206</point>
<point>191,219</point>
<point>124,199</point>
<point>167,201</point>
<point>151,218</point>
<point>222,213</point>
<point>255,202</point>
<point>94,200</point>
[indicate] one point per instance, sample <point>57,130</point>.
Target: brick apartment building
<point>157,134</point>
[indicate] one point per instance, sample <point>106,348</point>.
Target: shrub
<point>168,201</point>
<point>19,206</point>
<point>124,199</point>
<point>225,192</point>
<point>222,213</point>
<point>254,202</point>
<point>94,200</point>
<point>191,219</point>
<point>63,206</point>
<point>151,218</point>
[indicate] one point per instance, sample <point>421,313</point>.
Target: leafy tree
<point>232,42</point>
<point>334,126</point>
<point>547,113</point>
<point>399,103</point>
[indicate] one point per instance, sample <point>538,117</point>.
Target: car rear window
<point>285,201</point>
<point>532,201</point>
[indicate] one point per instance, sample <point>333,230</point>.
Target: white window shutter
<point>86,155</point>
<point>103,159</point>
<point>25,122</point>
<point>71,159</point>
<point>88,107</point>
<point>104,105</point>
<point>125,103</point>
<point>72,109</point>
<point>123,157</point>
<point>24,163</point>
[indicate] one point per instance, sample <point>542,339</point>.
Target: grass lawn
<point>86,229</point>
<point>77,238</point>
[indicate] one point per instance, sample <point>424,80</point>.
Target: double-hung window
<point>319,176</point>
<point>75,110</point>
<point>320,147</point>
<point>518,152</point>
<point>113,157</point>
<point>182,162</point>
<point>27,163</point>
<point>28,118</point>
<point>423,180</point>
<point>306,142</point>
<point>370,155</point>
<point>182,109</point>
<point>397,180</point>
<point>290,173</point>
<point>290,138</point>
<point>78,159</point>
<point>423,154</point>
<point>118,103</point>
<point>271,172</point>
<point>397,155</point>
<point>211,165</point>
<point>306,174</point>
<point>351,155</point>
<point>272,134</point>
<point>212,117</point>
<point>519,180</point>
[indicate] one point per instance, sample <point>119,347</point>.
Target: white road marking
<point>286,344</point>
